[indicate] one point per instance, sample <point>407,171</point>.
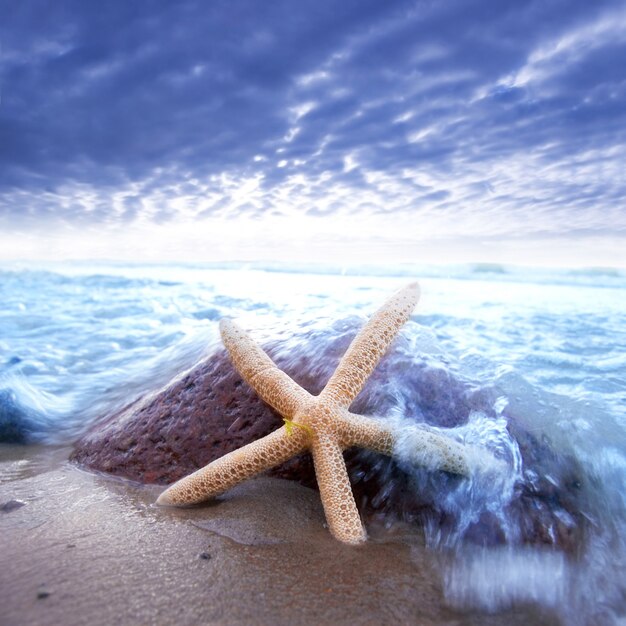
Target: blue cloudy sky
<point>448,130</point>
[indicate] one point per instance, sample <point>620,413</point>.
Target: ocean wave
<point>527,365</point>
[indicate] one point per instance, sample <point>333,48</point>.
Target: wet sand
<point>79,548</point>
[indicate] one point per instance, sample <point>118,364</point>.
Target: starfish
<point>322,424</point>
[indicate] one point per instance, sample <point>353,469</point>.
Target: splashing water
<point>528,369</point>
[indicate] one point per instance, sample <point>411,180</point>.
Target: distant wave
<point>488,268</point>
<point>110,273</point>
<point>593,276</point>
<point>611,272</point>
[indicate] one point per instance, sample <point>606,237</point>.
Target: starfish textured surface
<point>322,424</point>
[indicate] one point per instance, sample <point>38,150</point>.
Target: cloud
<point>464,118</point>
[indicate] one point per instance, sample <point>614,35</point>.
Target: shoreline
<point>83,548</point>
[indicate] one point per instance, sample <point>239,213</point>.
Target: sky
<point>314,131</point>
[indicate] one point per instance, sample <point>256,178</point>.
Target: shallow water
<point>543,354</point>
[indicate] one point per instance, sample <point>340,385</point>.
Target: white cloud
<point>370,132</point>
<point>313,77</point>
<point>568,48</point>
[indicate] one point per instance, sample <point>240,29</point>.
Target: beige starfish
<point>322,424</point>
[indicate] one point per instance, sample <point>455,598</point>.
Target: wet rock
<point>210,411</point>
<point>200,417</point>
<point>11,505</point>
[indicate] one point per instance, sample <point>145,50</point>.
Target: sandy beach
<point>79,548</point>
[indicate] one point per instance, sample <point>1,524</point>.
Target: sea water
<point>545,346</point>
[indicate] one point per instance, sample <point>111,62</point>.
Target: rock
<point>198,418</point>
<point>210,411</point>
<point>11,505</point>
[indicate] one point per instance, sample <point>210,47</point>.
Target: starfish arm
<point>421,446</point>
<point>235,467</point>
<point>366,432</point>
<point>340,508</point>
<point>434,451</point>
<point>369,345</point>
<point>260,372</point>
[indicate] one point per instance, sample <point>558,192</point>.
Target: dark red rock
<point>210,411</point>
<point>196,419</point>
